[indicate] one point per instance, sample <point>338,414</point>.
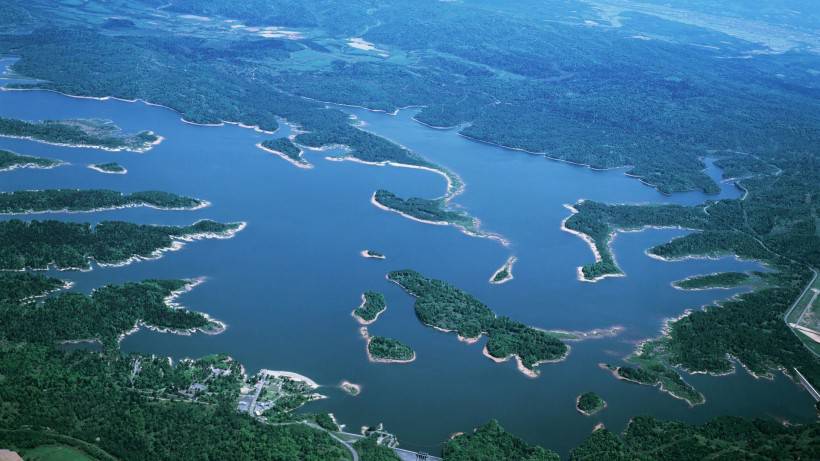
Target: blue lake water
<point>287,283</point>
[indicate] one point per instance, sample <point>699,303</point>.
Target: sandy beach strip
<point>290,375</point>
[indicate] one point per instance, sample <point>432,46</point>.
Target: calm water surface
<point>287,283</point>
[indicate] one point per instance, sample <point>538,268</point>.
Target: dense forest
<point>66,245</point>
<point>10,160</point>
<point>370,450</point>
<point>100,134</point>
<point>725,437</point>
<point>590,403</point>
<point>36,201</point>
<point>104,316</point>
<point>389,349</point>
<point>90,398</point>
<point>491,442</point>
<point>443,306</point>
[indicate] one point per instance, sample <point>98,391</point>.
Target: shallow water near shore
<point>286,285</point>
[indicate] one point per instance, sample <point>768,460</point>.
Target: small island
<point>373,304</point>
<point>372,254</point>
<point>11,161</point>
<point>92,133</point>
<point>449,309</point>
<point>351,388</point>
<point>74,200</point>
<point>589,403</point>
<point>41,245</point>
<point>108,168</point>
<point>504,273</point>
<point>285,148</point>
<point>713,281</point>
<point>388,350</point>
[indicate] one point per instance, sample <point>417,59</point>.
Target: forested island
<point>504,273</point>
<point>11,160</point>
<point>710,281</point>
<point>68,245</point>
<point>109,168</point>
<point>285,148</point>
<point>74,200</point>
<point>447,308</point>
<point>373,304</point>
<point>98,134</point>
<point>589,403</point>
<point>389,350</point>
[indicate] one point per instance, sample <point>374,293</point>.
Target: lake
<point>286,285</point>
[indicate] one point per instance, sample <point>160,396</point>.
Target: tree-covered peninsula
<point>11,160</point>
<point>597,223</point>
<point>16,287</point>
<point>285,148</point>
<point>105,316</point>
<point>491,442</point>
<point>68,245</point>
<point>98,134</point>
<point>445,307</point>
<point>589,403</point>
<point>768,224</point>
<point>373,304</point>
<point>725,437</point>
<point>389,350</point>
<point>73,200</point>
<point>108,167</point>
<point>432,211</point>
<point>710,281</point>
